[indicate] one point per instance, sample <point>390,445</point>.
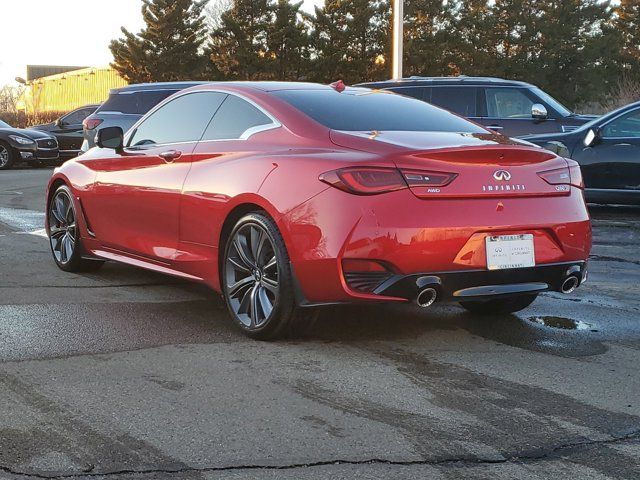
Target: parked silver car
<point>126,105</point>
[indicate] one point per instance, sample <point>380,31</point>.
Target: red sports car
<point>283,196</point>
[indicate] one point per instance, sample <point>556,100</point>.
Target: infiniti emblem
<point>502,175</point>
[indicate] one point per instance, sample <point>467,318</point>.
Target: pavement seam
<point>533,456</point>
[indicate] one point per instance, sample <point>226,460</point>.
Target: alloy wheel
<point>251,275</point>
<point>62,227</point>
<point>4,156</point>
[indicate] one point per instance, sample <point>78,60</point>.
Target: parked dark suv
<point>126,105</point>
<point>509,107</point>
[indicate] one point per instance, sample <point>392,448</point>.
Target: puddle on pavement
<point>562,323</point>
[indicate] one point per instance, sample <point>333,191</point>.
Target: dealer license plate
<point>510,251</point>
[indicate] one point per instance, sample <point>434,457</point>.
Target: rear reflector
<point>376,180</point>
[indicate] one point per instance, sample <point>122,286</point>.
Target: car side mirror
<point>58,122</point>
<point>110,137</point>
<point>592,137</point>
<point>539,112</point>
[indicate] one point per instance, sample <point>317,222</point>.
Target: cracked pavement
<point>127,374</point>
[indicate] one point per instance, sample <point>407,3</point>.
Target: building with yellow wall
<point>65,91</point>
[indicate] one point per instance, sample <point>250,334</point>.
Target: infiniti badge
<point>502,175</point>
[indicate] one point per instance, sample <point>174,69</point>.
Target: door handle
<point>496,128</point>
<point>622,145</point>
<point>170,155</point>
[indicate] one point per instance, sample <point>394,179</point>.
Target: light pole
<point>397,38</point>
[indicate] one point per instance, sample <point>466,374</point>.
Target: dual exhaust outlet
<point>569,284</point>
<point>428,295</point>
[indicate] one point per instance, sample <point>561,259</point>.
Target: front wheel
<point>64,236</point>
<point>257,282</point>
<point>499,305</point>
<point>6,156</point>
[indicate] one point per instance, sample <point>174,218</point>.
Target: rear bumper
<point>482,284</point>
<point>443,239</point>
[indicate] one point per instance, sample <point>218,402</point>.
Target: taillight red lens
<point>91,123</point>
<point>375,180</point>
<point>576,174</point>
<point>365,180</point>
<point>564,176</point>
<point>557,176</point>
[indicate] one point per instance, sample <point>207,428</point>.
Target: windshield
<point>605,118</point>
<point>552,102</point>
<point>366,110</point>
<point>4,124</point>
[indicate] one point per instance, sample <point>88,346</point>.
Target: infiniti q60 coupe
<point>284,196</point>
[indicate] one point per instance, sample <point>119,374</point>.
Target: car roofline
<point>461,79</point>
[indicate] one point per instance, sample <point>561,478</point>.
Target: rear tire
<point>499,305</point>
<point>7,156</point>
<point>64,236</point>
<point>257,282</point>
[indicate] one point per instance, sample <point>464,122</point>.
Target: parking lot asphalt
<point>125,373</point>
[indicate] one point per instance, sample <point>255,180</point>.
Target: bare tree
<point>214,11</point>
<point>9,97</point>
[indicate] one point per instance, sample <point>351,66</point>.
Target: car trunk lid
<point>441,164</point>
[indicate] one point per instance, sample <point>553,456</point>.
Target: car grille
<point>47,153</point>
<point>365,281</point>
<point>47,143</point>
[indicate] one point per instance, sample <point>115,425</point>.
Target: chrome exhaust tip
<point>427,297</point>
<point>569,284</point>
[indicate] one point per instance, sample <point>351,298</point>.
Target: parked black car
<point>608,151</point>
<point>126,105</point>
<point>509,107</point>
<point>68,130</point>
<point>23,145</point>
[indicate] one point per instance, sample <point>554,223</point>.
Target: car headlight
<point>22,140</point>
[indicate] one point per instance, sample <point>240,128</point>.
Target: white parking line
<point>23,221</point>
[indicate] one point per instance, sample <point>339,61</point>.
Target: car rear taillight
<point>91,123</point>
<point>564,176</point>
<point>375,180</point>
<point>428,179</point>
<point>576,174</point>
<point>365,180</point>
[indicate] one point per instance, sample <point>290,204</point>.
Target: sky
<point>64,32</point>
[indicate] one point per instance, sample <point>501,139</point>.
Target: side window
<point>460,100</point>
<point>415,92</point>
<point>508,103</point>
<point>181,120</point>
<point>233,119</point>
<point>627,126</point>
<point>76,117</point>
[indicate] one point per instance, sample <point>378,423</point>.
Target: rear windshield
<point>366,111</point>
<point>137,103</point>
